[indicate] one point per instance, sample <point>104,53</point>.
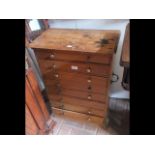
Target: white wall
<point>34,25</point>
<point>116,90</point>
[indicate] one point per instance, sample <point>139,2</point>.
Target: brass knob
<point>52,56</point>
<point>89,97</point>
<point>89,119</point>
<point>89,81</point>
<point>88,70</point>
<point>89,112</point>
<point>56,75</point>
<point>54,65</point>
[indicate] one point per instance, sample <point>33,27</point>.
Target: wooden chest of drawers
<point>76,66</point>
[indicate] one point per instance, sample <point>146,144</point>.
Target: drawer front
<point>79,116</point>
<point>85,68</point>
<point>56,78</point>
<point>83,109</point>
<point>89,85</point>
<point>82,86</point>
<point>73,56</point>
<point>91,80</point>
<point>82,102</point>
<point>84,95</point>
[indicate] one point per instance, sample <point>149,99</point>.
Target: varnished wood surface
<point>96,41</point>
<point>79,116</point>
<point>76,66</point>
<point>34,85</point>
<point>45,54</point>
<point>34,107</point>
<point>31,126</point>
<point>35,104</point>
<point>83,109</point>
<point>125,57</point>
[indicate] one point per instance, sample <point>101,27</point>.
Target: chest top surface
<point>95,41</point>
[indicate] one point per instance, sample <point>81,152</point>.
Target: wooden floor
<point>68,126</point>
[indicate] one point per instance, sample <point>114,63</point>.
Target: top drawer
<point>45,54</point>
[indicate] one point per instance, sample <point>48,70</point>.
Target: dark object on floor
<point>119,116</point>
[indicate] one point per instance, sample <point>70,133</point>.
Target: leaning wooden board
<point>76,66</point>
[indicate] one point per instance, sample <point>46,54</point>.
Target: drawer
<point>84,95</point>
<point>82,102</point>
<point>91,84</point>
<point>45,54</point>
<point>76,77</point>
<point>79,116</point>
<point>85,68</point>
<point>93,80</point>
<point>83,109</point>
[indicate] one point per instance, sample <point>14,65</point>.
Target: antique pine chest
<point>76,67</point>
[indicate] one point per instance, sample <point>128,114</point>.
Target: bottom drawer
<point>83,109</point>
<point>79,116</point>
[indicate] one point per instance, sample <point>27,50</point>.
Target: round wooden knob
<point>52,56</point>
<point>89,97</point>
<point>88,70</point>
<point>56,75</point>
<point>89,81</point>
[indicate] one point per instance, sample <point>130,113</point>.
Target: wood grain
<point>76,66</point>
<point>80,40</point>
<point>79,116</point>
<point>125,57</point>
<point>31,126</point>
<point>34,85</point>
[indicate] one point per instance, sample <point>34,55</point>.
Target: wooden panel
<point>82,102</point>
<point>35,88</point>
<point>83,109</point>
<point>51,78</point>
<point>33,106</point>
<point>98,41</point>
<point>84,95</point>
<point>31,126</point>
<point>85,68</point>
<point>83,87</point>
<point>36,106</point>
<point>93,80</point>
<point>79,116</point>
<point>45,54</point>
<point>125,57</point>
